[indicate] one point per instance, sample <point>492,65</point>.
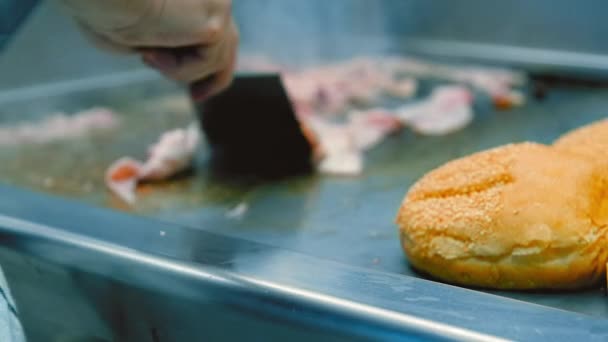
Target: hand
<point>193,41</point>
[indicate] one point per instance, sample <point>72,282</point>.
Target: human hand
<point>193,41</point>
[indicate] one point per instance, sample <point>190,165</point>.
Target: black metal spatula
<point>252,129</point>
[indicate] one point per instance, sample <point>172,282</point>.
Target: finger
<point>192,69</point>
<point>214,84</point>
<point>200,90</point>
<point>195,67</point>
<point>224,78</point>
<point>103,42</point>
<point>164,61</point>
<point>193,63</point>
<point>164,31</point>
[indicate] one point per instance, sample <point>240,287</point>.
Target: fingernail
<point>200,90</point>
<point>188,59</point>
<point>192,55</point>
<point>148,60</point>
<point>159,60</point>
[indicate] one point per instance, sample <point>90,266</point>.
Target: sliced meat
<point>56,127</point>
<point>172,154</point>
<point>448,109</point>
<point>122,177</point>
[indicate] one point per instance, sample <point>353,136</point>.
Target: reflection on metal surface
<point>375,313</point>
<point>70,86</point>
<point>31,231</point>
<point>346,220</point>
<point>254,281</point>
<point>529,57</point>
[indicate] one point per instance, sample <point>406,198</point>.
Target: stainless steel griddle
<point>310,241</point>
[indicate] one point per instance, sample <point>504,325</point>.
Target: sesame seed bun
<point>590,141</point>
<point>521,216</point>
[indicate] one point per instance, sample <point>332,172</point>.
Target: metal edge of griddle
<point>542,60</point>
<point>65,87</point>
<point>260,277</point>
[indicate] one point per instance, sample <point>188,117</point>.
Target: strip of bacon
<point>172,154</point>
<point>56,127</point>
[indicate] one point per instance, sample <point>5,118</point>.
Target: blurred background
<point>540,34</point>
